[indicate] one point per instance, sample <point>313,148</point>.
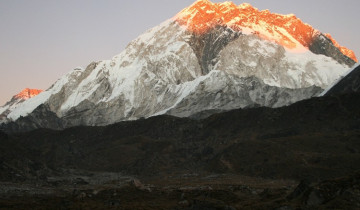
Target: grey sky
<point>41,40</point>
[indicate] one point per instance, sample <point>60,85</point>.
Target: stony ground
<point>189,191</point>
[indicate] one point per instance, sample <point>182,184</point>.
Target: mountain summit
<point>16,100</point>
<point>286,30</point>
<point>207,58</point>
<point>27,93</point>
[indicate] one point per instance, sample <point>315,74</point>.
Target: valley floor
<point>187,191</point>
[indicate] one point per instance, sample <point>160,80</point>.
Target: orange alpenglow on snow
<point>286,30</point>
<point>27,93</point>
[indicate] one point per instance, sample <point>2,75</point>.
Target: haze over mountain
<point>210,56</point>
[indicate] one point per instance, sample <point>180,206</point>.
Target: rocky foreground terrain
<point>303,156</point>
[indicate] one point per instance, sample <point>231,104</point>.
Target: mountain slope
<point>16,100</point>
<point>316,139</point>
<point>349,83</point>
<point>171,69</point>
<point>246,159</point>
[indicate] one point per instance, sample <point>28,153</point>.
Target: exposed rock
<point>41,117</point>
<point>302,188</point>
<point>136,183</point>
<point>323,45</point>
<point>184,203</point>
<point>231,92</point>
<point>208,46</point>
<point>315,198</point>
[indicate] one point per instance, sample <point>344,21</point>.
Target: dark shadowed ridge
<point>349,84</point>
<point>245,159</point>
<point>321,132</point>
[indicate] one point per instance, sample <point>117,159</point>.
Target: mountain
<point>16,100</point>
<point>286,30</point>
<point>210,56</point>
<point>349,83</point>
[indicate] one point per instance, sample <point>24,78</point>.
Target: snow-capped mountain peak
<point>16,100</point>
<point>27,93</point>
<point>286,30</point>
<point>210,56</point>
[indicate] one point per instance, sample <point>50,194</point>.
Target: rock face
<point>323,45</point>
<point>207,46</point>
<point>193,63</point>
<point>41,117</point>
<point>225,92</point>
